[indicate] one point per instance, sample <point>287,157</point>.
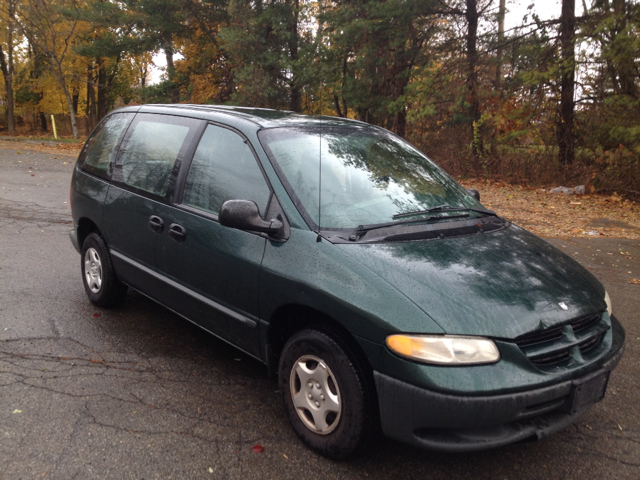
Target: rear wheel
<point>325,395</point>
<point>100,281</point>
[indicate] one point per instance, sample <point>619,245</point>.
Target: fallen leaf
<point>258,448</point>
<point>210,470</point>
<point>17,411</point>
<point>634,281</point>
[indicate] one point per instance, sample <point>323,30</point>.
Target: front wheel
<point>98,276</point>
<point>324,395</point>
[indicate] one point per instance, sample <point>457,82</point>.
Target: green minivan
<point>382,294</point>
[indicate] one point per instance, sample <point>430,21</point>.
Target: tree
<point>268,43</point>
<point>205,73</point>
<point>49,26</point>
<point>161,24</point>
<point>373,49</point>
<point>111,38</point>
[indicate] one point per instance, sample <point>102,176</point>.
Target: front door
<point>217,268</point>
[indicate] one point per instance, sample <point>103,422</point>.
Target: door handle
<point>156,224</point>
<point>177,232</point>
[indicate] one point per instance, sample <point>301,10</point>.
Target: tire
<point>98,276</point>
<point>325,395</point>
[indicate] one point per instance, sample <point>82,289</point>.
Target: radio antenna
<point>319,238</point>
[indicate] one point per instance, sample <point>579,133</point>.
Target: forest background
<point>551,100</point>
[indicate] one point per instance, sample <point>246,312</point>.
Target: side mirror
<point>245,215</point>
<point>474,193</point>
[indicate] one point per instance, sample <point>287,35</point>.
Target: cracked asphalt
<point>139,393</point>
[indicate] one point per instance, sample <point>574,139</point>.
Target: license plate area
<point>587,391</point>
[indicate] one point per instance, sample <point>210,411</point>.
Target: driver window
<point>224,168</point>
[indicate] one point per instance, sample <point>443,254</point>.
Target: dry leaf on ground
<point>67,149</point>
<point>559,215</point>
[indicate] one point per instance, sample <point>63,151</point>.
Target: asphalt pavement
<point>139,393</point>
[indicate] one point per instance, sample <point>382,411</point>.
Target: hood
<point>502,284</point>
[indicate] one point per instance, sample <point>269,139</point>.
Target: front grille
<point>555,344</point>
<point>540,337</point>
<point>590,343</point>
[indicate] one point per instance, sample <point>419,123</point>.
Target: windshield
<point>342,177</point>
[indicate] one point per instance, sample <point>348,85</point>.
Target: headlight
<point>445,349</point>
<point>607,300</point>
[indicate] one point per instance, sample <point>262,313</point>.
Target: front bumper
<point>444,422</point>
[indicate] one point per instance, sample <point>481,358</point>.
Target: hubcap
<point>315,394</point>
<point>93,270</point>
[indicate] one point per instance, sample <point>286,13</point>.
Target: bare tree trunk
<point>102,90</point>
<point>171,71</point>
<point>59,74</point>
<point>471,15</point>
<point>500,51</point>
<point>143,75</point>
<point>76,99</point>
<point>72,113</point>
<point>401,122</point>
<point>336,102</point>
<point>7,86</point>
<point>565,128</point>
<point>295,101</point>
<point>345,109</point>
<point>90,110</point>
<point>7,71</point>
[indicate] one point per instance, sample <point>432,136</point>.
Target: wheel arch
<point>289,319</point>
<point>85,227</point>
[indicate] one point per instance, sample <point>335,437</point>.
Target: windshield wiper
<point>366,228</point>
<point>444,208</point>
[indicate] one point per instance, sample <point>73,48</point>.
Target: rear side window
<point>99,152</point>
<point>224,168</point>
<point>154,144</point>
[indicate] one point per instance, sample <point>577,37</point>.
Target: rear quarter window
<point>99,152</point>
<point>153,149</point>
